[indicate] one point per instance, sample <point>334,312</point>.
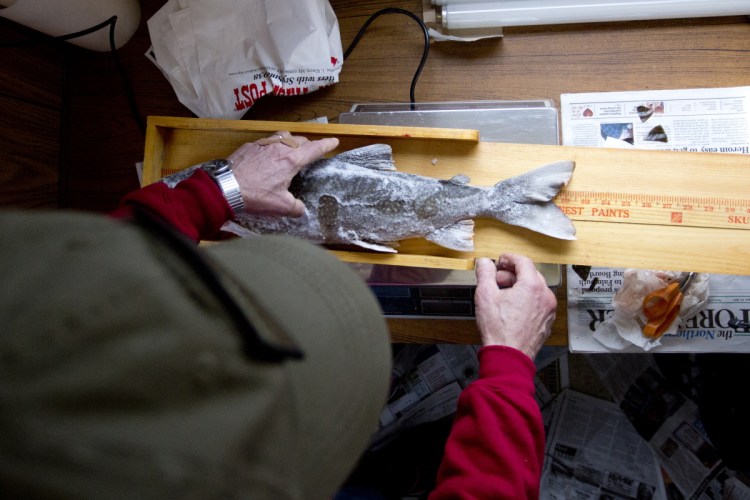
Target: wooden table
<point>528,63</point>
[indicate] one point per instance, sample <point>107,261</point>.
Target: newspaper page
<point>593,452</point>
<point>670,423</point>
<point>552,378</point>
<point>694,120</point>
<point>700,120</point>
<point>427,380</point>
<point>723,326</point>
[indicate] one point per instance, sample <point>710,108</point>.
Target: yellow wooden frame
<point>176,143</point>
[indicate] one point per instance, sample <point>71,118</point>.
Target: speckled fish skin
<point>358,197</point>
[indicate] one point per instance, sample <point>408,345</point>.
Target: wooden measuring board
<point>631,208</point>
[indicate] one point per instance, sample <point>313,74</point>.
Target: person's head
<point>135,365</point>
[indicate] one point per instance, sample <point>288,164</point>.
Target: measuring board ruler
<point>657,209</point>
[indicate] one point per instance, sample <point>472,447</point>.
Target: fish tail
<point>526,200</point>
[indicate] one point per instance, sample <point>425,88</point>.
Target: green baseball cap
<point>134,366</point>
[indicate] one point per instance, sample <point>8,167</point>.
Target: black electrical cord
<point>111,22</point>
<point>425,52</point>
<point>63,38</point>
<point>129,94</point>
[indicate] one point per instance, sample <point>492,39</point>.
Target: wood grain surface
<point>31,107</point>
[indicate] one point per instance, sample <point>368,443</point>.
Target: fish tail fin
<point>526,200</point>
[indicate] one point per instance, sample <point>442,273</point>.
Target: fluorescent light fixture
<point>464,14</point>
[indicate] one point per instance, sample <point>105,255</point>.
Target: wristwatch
<point>221,172</point>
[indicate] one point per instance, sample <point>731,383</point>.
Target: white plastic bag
<point>222,56</point>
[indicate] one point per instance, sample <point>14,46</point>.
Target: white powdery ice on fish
<point>359,198</point>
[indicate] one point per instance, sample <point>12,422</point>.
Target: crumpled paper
<point>222,56</point>
<point>624,327</point>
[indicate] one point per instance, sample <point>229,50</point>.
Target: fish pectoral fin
<point>378,247</point>
<point>374,156</point>
<point>459,236</point>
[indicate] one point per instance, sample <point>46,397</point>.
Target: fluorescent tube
<point>502,13</point>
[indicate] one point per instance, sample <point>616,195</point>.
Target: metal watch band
<point>221,172</point>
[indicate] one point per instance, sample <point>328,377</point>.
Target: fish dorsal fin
<point>374,156</point>
<point>460,179</point>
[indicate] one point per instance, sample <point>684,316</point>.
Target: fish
<point>358,197</point>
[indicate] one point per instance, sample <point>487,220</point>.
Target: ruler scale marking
<point>655,209</point>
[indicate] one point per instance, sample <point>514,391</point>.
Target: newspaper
<point>426,381</point>
<point>698,120</point>
<point>593,452</point>
<point>428,378</point>
<point>670,423</point>
<point>723,326</point>
<point>649,443</point>
<point>693,120</point>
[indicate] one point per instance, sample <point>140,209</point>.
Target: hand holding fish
<point>265,168</point>
<point>519,316</point>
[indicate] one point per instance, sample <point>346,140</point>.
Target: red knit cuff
<point>196,206</point>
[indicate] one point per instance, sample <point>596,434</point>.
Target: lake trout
<point>359,198</point>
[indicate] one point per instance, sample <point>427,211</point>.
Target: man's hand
<point>520,316</point>
<point>265,168</point>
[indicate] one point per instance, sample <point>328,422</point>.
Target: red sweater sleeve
<point>196,206</point>
<point>496,446</point>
